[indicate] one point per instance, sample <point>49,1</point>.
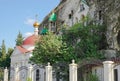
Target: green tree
<point>5,56</point>
<point>7,60</point>
<point>0,53</point>
<point>51,48</point>
<point>19,39</point>
<point>3,49</point>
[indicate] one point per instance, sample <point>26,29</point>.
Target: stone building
<point>21,69</point>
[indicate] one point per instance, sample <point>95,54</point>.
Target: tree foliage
<point>51,48</point>
<point>5,56</point>
<point>7,60</point>
<point>3,49</point>
<point>86,40</point>
<point>19,39</point>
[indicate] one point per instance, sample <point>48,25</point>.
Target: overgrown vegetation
<point>87,41</point>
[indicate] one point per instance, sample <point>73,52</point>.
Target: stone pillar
<point>48,70</point>
<point>16,74</point>
<point>108,70</point>
<point>30,73</point>
<point>6,74</point>
<point>73,71</point>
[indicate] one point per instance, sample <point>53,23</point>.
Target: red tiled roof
<point>23,50</point>
<point>30,40</point>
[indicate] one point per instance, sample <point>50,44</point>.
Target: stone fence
<point>108,71</point>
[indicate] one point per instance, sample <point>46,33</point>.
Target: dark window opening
<point>115,75</point>
<point>118,38</point>
<point>82,7</point>
<point>100,15</point>
<point>72,12</point>
<point>37,75</point>
<point>70,16</point>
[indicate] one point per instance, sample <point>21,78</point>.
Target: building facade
<point>21,68</point>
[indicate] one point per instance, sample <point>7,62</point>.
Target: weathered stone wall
<point>110,11</point>
<point>72,12</point>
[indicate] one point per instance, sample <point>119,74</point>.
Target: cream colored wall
<point>20,59</point>
<point>28,47</point>
<point>99,71</point>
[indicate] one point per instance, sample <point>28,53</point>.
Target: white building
<point>21,69</point>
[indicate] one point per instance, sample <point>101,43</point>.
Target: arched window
<point>37,75</point>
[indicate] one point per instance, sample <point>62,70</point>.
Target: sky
<point>19,15</point>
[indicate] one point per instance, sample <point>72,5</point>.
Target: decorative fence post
<point>30,73</point>
<point>108,70</point>
<point>73,71</point>
<point>6,74</point>
<point>48,72</point>
<point>16,74</point>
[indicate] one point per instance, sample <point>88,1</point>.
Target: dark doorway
<point>115,75</point>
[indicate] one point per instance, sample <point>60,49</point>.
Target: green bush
<point>92,77</point>
<point>29,79</point>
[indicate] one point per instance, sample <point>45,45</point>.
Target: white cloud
<point>29,21</point>
<point>27,34</point>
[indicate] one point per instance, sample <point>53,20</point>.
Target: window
<point>72,12</point>
<point>115,75</point>
<point>82,7</point>
<point>100,15</point>
<point>70,16</point>
<point>37,75</point>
